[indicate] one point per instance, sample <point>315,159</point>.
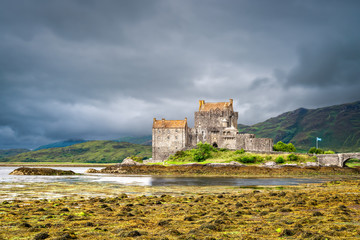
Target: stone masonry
<point>215,123</point>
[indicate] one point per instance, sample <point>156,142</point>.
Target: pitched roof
<point>169,123</point>
<point>206,107</point>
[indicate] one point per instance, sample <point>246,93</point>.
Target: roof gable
<point>169,123</point>
<point>212,106</point>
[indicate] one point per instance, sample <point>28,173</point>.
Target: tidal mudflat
<point>329,210</point>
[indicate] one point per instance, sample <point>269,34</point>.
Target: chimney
<point>201,103</point>
<point>231,101</point>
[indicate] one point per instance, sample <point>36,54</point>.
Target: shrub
<point>247,159</point>
<point>241,151</point>
<point>283,147</point>
<point>137,159</point>
<point>315,150</point>
<point>329,152</point>
<point>279,160</point>
<point>202,152</point>
<point>292,157</point>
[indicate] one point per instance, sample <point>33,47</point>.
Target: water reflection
<point>149,180</point>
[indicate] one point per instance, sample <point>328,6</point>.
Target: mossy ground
<point>314,211</point>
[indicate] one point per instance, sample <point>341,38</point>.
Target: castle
<point>215,123</point>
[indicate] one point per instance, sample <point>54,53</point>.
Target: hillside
<point>87,152</point>
<point>61,144</point>
<point>12,152</point>
<point>143,140</point>
<point>338,127</point>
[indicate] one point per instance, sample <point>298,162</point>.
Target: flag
<point>318,139</point>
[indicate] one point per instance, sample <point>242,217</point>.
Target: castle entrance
<point>215,145</point>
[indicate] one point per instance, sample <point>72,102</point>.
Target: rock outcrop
<point>40,171</point>
<point>129,161</point>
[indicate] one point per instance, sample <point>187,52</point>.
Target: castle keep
<point>215,123</point>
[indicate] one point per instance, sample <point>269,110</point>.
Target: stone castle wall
<point>215,123</point>
<point>167,141</point>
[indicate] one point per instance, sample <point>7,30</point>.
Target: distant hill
<point>87,152</point>
<point>61,144</point>
<point>12,152</point>
<point>338,127</point>
<point>143,140</point>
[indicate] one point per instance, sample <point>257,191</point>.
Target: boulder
<point>91,170</point>
<point>270,164</point>
<point>232,163</point>
<point>290,165</point>
<point>312,164</point>
<point>129,161</point>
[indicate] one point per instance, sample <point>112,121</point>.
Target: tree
<point>315,150</point>
<point>202,152</point>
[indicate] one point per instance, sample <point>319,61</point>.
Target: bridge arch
<point>349,158</point>
<point>336,159</point>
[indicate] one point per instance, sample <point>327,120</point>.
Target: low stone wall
<point>152,161</point>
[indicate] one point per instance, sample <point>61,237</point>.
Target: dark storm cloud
<point>104,69</point>
<point>328,65</point>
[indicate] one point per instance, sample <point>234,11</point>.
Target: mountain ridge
<point>338,126</point>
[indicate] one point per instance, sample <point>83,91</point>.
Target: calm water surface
<point>151,180</point>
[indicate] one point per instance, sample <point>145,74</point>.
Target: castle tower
<point>168,137</point>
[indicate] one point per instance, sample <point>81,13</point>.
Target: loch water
<point>148,180</point>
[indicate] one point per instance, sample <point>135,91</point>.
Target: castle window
<point>175,137</point>
<point>168,137</point>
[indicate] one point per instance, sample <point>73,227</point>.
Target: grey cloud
<point>103,69</point>
<point>327,65</point>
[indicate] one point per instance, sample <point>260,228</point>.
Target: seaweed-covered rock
<point>40,171</point>
<point>41,236</point>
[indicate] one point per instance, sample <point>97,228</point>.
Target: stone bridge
<point>335,159</point>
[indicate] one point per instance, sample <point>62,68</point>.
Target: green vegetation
<point>279,160</point>
<point>283,147</point>
<point>315,150</point>
<point>292,157</point>
<point>205,153</point>
<point>329,152</point>
<point>61,144</point>
<point>338,126</point>
<point>12,152</point>
<point>353,162</point>
<point>143,140</point>
<point>87,152</point>
<point>202,152</point>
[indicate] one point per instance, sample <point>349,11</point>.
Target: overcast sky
<point>104,69</point>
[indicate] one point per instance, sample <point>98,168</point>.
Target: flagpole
<point>316,143</point>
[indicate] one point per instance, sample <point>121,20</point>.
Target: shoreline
<point>184,212</point>
<point>56,165</point>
